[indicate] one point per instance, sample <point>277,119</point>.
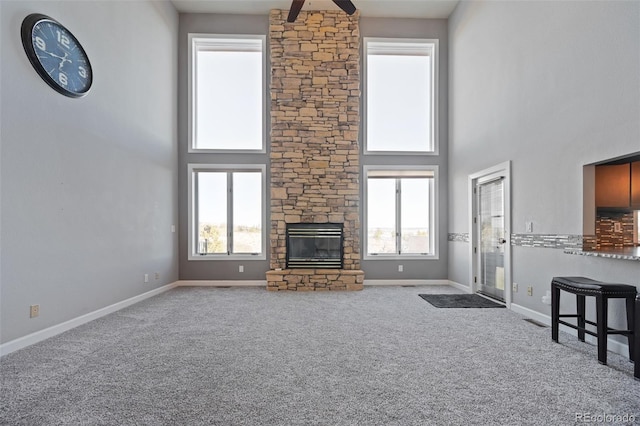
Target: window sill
<point>409,153</point>
<point>400,257</point>
<point>225,151</point>
<point>227,257</point>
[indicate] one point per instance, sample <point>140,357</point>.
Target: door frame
<point>499,170</point>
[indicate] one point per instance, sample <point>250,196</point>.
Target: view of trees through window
<point>217,191</point>
<point>409,198</point>
<point>212,238</point>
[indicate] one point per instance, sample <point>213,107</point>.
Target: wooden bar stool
<point>582,287</point>
<point>636,367</point>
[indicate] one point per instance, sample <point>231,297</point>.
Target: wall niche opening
<point>611,198</point>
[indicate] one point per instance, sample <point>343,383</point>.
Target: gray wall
<point>551,86</point>
<point>369,27</point>
<point>89,186</point>
<point>416,28</point>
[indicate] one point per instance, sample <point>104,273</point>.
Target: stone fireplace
<point>315,119</point>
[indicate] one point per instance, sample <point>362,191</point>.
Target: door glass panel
<point>492,241</point>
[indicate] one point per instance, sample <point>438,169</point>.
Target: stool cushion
<point>584,285</point>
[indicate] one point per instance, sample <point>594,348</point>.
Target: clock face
<point>56,55</point>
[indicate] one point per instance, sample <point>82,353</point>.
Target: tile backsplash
<point>614,229</point>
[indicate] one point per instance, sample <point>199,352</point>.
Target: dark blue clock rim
<point>26,31</point>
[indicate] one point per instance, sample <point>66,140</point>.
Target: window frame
<point>403,44</point>
<point>434,231</point>
<point>192,239</point>
<point>195,40</point>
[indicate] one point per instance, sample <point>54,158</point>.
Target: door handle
<point>502,241</point>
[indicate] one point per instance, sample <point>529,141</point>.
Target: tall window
<point>401,95</point>
<point>400,211</point>
<point>226,211</point>
<point>226,105</point>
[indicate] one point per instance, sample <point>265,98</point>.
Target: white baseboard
<point>38,336</point>
<point>612,345</point>
<point>405,282</point>
<point>460,287</point>
<point>534,315</point>
<point>222,283</point>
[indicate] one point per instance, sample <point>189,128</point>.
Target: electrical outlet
<point>530,291</point>
<point>157,275</point>
<point>515,287</point>
<point>146,278</point>
<point>529,226</point>
<point>241,268</point>
<point>34,311</point>
<point>400,268</point>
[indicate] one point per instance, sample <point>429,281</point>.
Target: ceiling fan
<point>296,6</point>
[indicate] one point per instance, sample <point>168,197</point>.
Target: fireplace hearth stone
<point>315,280</point>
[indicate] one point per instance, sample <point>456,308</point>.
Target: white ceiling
<point>373,8</point>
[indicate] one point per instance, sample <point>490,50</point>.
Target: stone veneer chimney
<point>315,118</point>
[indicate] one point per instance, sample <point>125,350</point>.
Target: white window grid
<point>399,172</point>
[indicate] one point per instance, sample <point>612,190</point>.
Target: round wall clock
<point>56,55</point>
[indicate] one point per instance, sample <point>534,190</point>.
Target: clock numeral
<point>63,39</point>
<point>40,44</point>
<point>82,71</point>
<point>62,78</point>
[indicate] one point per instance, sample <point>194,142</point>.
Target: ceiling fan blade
<point>296,5</point>
<point>346,5</point>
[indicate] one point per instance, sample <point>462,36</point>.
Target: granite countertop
<point>627,253</point>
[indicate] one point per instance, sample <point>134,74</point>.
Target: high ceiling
<point>373,8</point>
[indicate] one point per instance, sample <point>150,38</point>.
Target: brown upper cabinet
<point>613,185</point>
<point>635,185</point>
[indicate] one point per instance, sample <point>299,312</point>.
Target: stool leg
<point>555,311</point>
<point>601,314</point>
<point>581,316</point>
<point>631,327</point>
<point>636,367</point>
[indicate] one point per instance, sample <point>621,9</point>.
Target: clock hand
<point>56,56</point>
<point>63,60</point>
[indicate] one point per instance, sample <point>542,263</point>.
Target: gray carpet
<point>244,356</point>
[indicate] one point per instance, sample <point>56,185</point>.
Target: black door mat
<point>459,301</point>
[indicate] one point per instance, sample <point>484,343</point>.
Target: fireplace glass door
<point>311,245</point>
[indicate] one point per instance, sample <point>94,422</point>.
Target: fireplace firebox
<point>314,245</point>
